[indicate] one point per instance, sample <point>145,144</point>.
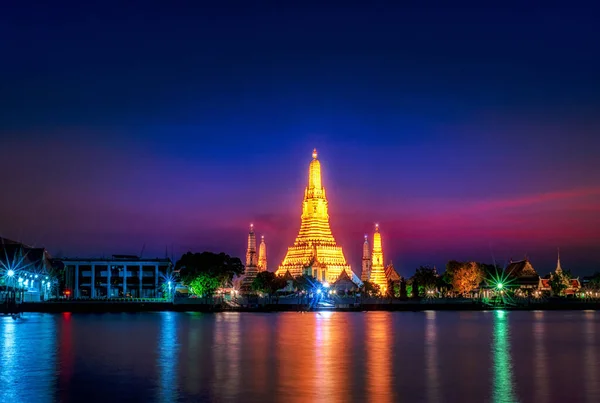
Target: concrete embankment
<point>109,306</point>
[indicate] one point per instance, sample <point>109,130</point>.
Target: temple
<point>366,262</point>
<point>315,251</point>
<point>377,269</point>
<point>573,284</point>
<point>262,255</point>
<point>251,263</point>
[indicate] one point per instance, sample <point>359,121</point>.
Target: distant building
<point>377,267</point>
<point>117,276</point>
<point>526,280</point>
<point>365,275</point>
<point>251,268</point>
<point>523,276</point>
<point>31,270</point>
<point>574,285</point>
<point>315,250</point>
<point>262,255</point>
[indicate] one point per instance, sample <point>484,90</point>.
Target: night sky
<point>467,132</point>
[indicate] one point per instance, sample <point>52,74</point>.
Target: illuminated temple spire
<point>558,268</point>
<point>315,251</point>
<point>366,262</point>
<point>262,255</point>
<point>377,270</point>
<point>251,268</point>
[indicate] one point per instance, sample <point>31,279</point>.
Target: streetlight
<point>499,286</point>
<point>10,273</point>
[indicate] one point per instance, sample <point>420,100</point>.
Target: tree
<point>451,267</point>
<point>268,282</point>
<point>415,288</point>
<point>305,282</point>
<point>560,281</point>
<point>371,289</point>
<point>262,281</point>
<point>403,289</point>
<point>221,267</point>
<point>426,277</point>
<point>204,284</point>
<point>594,283</point>
<point>467,278</point>
<point>393,289</point>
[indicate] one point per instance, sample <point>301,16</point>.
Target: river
<point>497,356</point>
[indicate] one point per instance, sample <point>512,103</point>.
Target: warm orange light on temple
<point>315,251</point>
<point>262,255</point>
<point>377,270</point>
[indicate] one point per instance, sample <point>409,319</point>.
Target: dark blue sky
<point>463,130</point>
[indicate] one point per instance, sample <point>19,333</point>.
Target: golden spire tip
<point>314,154</point>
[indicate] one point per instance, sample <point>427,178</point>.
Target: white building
<point>119,276</point>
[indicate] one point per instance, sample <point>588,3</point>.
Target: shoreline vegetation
<point>95,306</point>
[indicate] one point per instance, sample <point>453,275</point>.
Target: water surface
<point>541,357</point>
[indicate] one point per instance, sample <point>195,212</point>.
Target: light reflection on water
<point>167,358</point>
<point>591,359</point>
<point>503,382</point>
<point>431,358</point>
<point>27,359</point>
<point>540,358</point>
<point>543,357</point>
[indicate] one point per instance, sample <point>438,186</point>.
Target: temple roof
<point>521,268</point>
<point>288,276</point>
<point>344,283</point>
<point>391,274</point>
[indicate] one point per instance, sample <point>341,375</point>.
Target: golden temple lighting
<point>315,251</point>
<point>262,255</point>
<point>377,270</point>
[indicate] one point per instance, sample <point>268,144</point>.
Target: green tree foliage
<point>426,277</point>
<point>219,267</point>
<point>415,288</point>
<point>594,283</point>
<point>204,284</point>
<point>393,289</point>
<point>559,282</point>
<point>305,282</point>
<point>403,289</point>
<point>451,267</point>
<point>268,282</point>
<point>371,289</point>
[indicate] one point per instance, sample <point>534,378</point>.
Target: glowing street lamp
<point>326,285</point>
<point>10,273</point>
<point>499,286</point>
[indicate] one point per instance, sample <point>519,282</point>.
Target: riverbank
<point>121,306</point>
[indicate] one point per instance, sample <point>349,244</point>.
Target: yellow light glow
<point>377,269</point>
<point>262,255</point>
<point>315,245</point>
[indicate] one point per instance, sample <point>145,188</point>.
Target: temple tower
<point>251,263</point>
<point>366,262</point>
<point>558,268</point>
<point>262,255</point>
<point>315,251</point>
<point>377,268</point>
<point>251,250</point>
